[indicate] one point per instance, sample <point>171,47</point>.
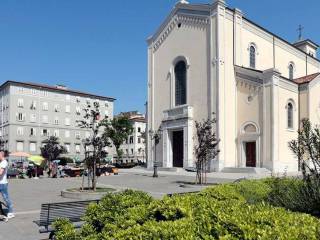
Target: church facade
<point>209,58</point>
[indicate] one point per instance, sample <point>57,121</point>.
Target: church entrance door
<point>251,160</point>
<point>177,148</point>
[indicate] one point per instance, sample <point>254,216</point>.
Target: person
<point>4,184</point>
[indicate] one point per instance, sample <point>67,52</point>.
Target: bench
<point>73,211</point>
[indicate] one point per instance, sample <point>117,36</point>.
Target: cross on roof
<point>300,29</point>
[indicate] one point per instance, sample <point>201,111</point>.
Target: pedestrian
<point>4,184</point>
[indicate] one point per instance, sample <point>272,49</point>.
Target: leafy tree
<point>52,149</point>
<point>206,148</point>
<point>307,148</point>
<point>118,130</point>
<point>96,144</point>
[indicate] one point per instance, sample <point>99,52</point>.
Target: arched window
<point>180,71</point>
<point>252,57</point>
<point>290,115</point>
<point>291,68</point>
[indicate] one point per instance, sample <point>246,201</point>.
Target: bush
<point>220,212</point>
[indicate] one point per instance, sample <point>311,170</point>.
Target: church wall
<point>188,42</point>
<point>283,58</point>
<point>314,103</point>
<point>230,150</point>
<point>278,56</point>
<point>264,48</point>
<point>287,160</point>
<point>303,104</point>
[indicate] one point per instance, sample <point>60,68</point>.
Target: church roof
<point>306,79</point>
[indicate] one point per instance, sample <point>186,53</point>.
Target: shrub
<point>220,212</point>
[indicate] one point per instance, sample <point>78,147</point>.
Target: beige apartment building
<point>207,58</point>
<point>134,148</point>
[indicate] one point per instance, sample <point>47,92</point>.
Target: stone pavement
<point>28,194</point>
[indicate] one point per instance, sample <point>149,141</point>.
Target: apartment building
<point>134,148</point>
<point>32,112</point>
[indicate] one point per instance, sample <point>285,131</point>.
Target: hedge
<point>230,211</point>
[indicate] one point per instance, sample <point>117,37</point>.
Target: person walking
<point>4,184</point>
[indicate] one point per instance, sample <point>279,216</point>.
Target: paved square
<point>29,194</point>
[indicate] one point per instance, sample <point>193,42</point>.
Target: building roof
<point>306,79</point>
<point>57,88</point>
<point>205,9</point>
<point>306,41</point>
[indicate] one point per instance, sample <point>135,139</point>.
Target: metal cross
<point>300,29</point>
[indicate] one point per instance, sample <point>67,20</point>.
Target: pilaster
<point>219,91</point>
<point>238,17</point>
<point>271,79</point>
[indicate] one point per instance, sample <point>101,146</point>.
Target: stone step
<point>246,170</point>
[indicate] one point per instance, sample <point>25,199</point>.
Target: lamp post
<point>156,136</point>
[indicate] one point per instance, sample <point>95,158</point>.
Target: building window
<point>252,57</point>
<point>67,133</point>
<point>33,105</point>
<point>180,71</point>
<point>131,139</point>
<point>139,129</point>
<point>78,148</point>
<point>77,135</point>
<point>32,132</point>
<point>20,131</point>
<point>291,69</point>
<point>56,121</point>
<point>67,121</point>
<point>20,146</point>
<point>131,151</point>
<point>45,132</point>
<point>77,99</point>
<point>67,146</point>
<point>45,119</point>
<point>33,147</point>
<point>139,140</point>
<point>56,107</point>
<point>33,118</point>
<point>45,106</point>
<point>290,115</point>
<point>78,110</point>
<point>67,108</point>
<point>20,103</point>
<point>21,117</point>
<point>87,134</point>
<point>56,133</point>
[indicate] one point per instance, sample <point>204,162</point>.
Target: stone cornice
<point>185,19</point>
<point>189,9</point>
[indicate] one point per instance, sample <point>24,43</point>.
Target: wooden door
<point>251,160</point>
<point>177,148</point>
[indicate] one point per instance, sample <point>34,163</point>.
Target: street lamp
<point>156,136</point>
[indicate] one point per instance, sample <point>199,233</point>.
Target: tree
<point>52,149</point>
<point>118,130</point>
<point>95,145</point>
<point>206,147</point>
<point>307,149</point>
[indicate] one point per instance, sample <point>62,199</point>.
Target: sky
<point>99,46</point>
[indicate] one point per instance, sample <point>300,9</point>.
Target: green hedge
<point>220,212</point>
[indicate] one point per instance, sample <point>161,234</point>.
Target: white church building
<point>207,58</point>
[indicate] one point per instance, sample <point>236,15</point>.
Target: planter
<point>86,195</point>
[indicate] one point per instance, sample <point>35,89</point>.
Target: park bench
<point>73,211</point>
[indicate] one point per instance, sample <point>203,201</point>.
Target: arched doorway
<point>249,145</point>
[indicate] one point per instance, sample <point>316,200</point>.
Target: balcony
<point>179,112</point>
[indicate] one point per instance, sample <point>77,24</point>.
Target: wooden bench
<point>73,211</point>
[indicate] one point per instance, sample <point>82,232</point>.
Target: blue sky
<point>99,45</point>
